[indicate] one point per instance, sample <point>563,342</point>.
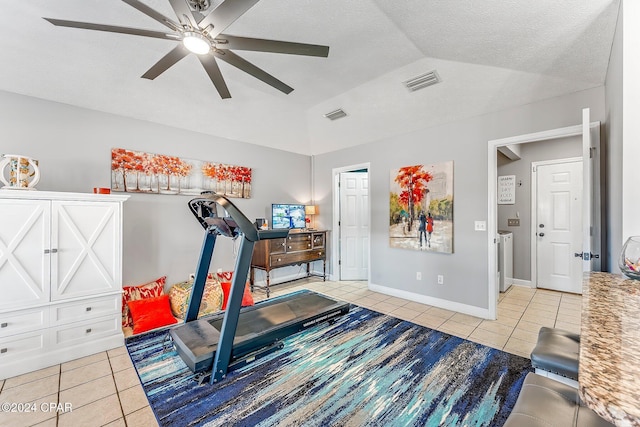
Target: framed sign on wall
<point>507,190</point>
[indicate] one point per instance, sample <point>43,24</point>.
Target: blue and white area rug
<point>367,369</point>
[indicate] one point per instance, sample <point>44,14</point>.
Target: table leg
<point>268,281</point>
<point>324,270</point>
<point>252,275</point>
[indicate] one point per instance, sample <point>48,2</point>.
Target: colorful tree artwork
<point>421,208</point>
<point>140,172</point>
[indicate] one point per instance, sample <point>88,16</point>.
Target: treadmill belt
<point>258,326</point>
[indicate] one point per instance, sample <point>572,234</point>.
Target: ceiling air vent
<point>336,114</point>
<point>422,81</point>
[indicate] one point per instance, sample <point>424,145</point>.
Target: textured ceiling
<point>490,54</point>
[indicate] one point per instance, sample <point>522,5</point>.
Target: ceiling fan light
<point>196,43</point>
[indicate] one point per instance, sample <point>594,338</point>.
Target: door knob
<point>541,234</point>
<point>541,226</point>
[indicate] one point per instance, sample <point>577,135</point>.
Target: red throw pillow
<point>132,293</point>
<point>151,313</point>
<point>247,298</point>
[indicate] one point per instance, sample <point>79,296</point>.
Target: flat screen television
<point>284,215</point>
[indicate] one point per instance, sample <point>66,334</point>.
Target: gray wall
<point>532,152</point>
<point>161,237</point>
<point>465,142</point>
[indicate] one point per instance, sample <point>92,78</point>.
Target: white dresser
<point>60,277</point>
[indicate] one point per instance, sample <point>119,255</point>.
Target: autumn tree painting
<point>134,171</point>
<point>421,194</point>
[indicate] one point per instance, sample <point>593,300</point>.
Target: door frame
<point>534,212</point>
<point>335,236</point>
<point>492,209</point>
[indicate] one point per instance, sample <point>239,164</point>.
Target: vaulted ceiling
<point>489,54</point>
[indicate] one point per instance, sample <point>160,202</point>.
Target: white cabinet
<point>60,277</point>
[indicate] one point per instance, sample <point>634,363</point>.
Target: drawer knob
<point>309,245</point>
<point>4,350</point>
<point>88,330</point>
<point>4,325</point>
<point>88,309</point>
<point>279,259</point>
<point>289,247</point>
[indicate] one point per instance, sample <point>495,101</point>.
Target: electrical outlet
<point>418,275</point>
<point>440,279</point>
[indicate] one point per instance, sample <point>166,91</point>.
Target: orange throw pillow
<point>247,298</point>
<point>151,313</point>
<point>130,293</point>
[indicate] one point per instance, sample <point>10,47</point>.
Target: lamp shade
<point>311,210</point>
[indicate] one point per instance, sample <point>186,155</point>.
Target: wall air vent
<point>422,81</point>
<point>336,114</point>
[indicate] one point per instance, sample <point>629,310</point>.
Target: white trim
<point>534,211</point>
<point>335,236</point>
<point>436,302</point>
<point>492,209</point>
<point>524,283</point>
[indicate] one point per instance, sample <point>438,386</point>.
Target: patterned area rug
<point>367,369</point>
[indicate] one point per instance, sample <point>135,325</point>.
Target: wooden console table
<point>609,369</point>
<point>300,247</point>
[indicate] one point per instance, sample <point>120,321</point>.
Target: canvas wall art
<point>421,208</point>
<point>140,172</point>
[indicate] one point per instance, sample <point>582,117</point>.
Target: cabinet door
<point>24,265</point>
<point>85,242</point>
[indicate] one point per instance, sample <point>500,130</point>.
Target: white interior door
<point>354,226</point>
<point>559,230</point>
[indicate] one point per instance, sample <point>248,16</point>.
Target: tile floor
<point>104,390</point>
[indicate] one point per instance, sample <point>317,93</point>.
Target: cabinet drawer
<point>298,244</point>
<point>86,331</point>
<point>16,322</point>
<point>18,346</point>
<point>295,258</point>
<point>85,309</point>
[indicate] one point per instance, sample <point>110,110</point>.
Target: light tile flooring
<point>104,390</point>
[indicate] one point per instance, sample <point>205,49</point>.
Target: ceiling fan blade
<point>244,65</point>
<point>275,46</point>
<point>211,67</point>
<point>113,29</point>
<point>183,12</point>
<point>153,14</point>
<point>225,14</point>
<point>175,55</point>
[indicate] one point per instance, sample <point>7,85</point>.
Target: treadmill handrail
<point>246,227</point>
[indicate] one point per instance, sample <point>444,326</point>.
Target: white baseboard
<point>525,283</point>
<point>436,302</point>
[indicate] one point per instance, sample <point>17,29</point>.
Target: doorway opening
<point>351,222</point>
<point>588,136</point>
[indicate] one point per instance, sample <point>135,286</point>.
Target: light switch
<point>481,225</point>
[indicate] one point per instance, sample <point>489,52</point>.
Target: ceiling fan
<point>203,36</point>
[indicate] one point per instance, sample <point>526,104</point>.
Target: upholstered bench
<point>544,402</point>
<point>556,355</point>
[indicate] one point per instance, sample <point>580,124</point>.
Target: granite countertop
<point>609,370</point>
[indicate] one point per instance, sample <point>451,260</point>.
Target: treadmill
<point>238,335</point>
